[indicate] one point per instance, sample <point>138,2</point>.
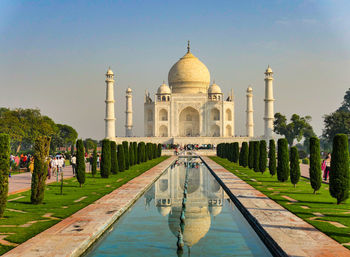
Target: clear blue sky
<point>53,54</point>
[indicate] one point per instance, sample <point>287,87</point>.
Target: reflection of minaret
<point>250,121</point>
<point>128,112</point>
<point>110,118</point>
<point>269,112</point>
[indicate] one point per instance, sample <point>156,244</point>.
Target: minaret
<point>110,118</point>
<point>250,121</point>
<point>269,112</point>
<point>128,113</point>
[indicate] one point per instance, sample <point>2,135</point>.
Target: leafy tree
<point>282,160</point>
<point>272,157</point>
<point>296,129</point>
<point>345,106</point>
<point>41,148</point>
<point>256,156</point>
<point>94,162</point>
<point>243,157</point>
<point>339,175</point>
<point>89,143</point>
<point>235,152</point>
<point>4,170</point>
<point>294,166</point>
<point>336,123</point>
<point>80,169</point>
<point>251,155</point>
<point>126,154</point>
<point>131,155</point>
<point>121,158</point>
<point>263,156</point>
<point>105,158</point>
<point>315,164</point>
<point>68,134</point>
<point>114,160</point>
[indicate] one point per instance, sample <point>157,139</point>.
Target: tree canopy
<point>297,128</point>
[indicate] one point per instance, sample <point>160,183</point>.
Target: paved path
<point>304,171</point>
<point>22,182</point>
<point>73,235</point>
<point>291,233</point>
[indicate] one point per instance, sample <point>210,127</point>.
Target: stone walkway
<point>291,233</point>
<point>73,235</point>
<point>22,182</point>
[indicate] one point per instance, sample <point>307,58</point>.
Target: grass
<point>322,202</point>
<point>27,219</point>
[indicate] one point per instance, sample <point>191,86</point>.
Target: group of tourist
<point>56,165</point>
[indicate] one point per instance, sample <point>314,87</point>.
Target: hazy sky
<point>54,54</point>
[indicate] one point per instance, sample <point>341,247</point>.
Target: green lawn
<point>319,210</point>
<point>22,220</point>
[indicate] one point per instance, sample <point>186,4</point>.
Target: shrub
<point>339,174</point>
<point>243,157</point>
<point>134,144</point>
<point>114,160</point>
<point>139,154</point>
<point>80,168</point>
<point>272,157</point>
<point>4,170</point>
<point>155,151</point>
<point>121,158</point>
<point>131,155</point>
<point>94,162</point>
<point>126,154</point>
<point>251,155</point>
<point>41,151</point>
<point>235,152</point>
<point>105,158</point>
<point>315,164</point>
<point>263,156</point>
<point>294,166</point>
<point>256,156</point>
<point>282,160</point>
<point>305,161</point>
<point>159,150</point>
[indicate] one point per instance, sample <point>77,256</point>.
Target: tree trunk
<point>314,192</point>
<point>19,147</point>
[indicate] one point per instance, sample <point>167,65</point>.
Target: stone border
<point>75,234</point>
<point>292,235</point>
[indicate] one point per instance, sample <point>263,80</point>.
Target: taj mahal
<point>190,109</point>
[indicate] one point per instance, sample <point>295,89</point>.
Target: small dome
<point>109,72</point>
<point>215,210</point>
<point>214,89</point>
<point>164,89</point>
<point>128,90</point>
<point>249,89</point>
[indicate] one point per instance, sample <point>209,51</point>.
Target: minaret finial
<point>188,46</point>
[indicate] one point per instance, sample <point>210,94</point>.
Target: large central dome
<point>189,75</point>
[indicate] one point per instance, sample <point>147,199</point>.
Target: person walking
<point>73,161</point>
<point>327,166</point>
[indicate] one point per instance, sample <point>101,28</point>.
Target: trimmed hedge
<point>159,150</point>
<point>126,154</point>
<point>235,152</point>
<point>294,166</point>
<point>106,158</point>
<point>263,156</point>
<point>272,157</point>
<point>80,169</point>
<point>251,155</point>
<point>131,155</point>
<point>4,170</point>
<point>256,156</point>
<point>243,157</point>
<point>114,160</point>
<point>315,164</point>
<point>282,160</point>
<point>339,174</point>
<point>121,158</point>
<point>134,144</point>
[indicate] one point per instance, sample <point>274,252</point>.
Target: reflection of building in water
<point>205,197</point>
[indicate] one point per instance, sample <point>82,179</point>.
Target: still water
<point>212,225</point>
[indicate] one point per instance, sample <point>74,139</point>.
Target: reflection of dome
<point>164,210</point>
<point>215,186</point>
<point>197,223</point>
<point>163,89</point>
<point>193,180</point>
<point>189,75</point>
<point>215,210</point>
<point>214,89</point>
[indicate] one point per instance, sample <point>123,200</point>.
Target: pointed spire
<point>188,46</point>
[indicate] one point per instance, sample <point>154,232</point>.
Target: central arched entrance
<point>189,122</point>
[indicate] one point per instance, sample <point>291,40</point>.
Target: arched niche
<point>150,115</point>
<point>189,122</point>
<point>228,131</point>
<point>163,131</point>
<point>228,115</point>
<point>215,114</point>
<point>215,131</point>
<point>163,115</point>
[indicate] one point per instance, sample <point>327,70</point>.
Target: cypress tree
<point>143,152</point>
<point>235,152</point>
<point>263,156</point>
<point>106,158</point>
<point>230,152</point>
<point>339,174</point>
<point>126,154</point>
<point>294,166</point>
<point>139,155</point>
<point>218,150</point>
<point>315,164</point>
<point>251,155</point>
<point>114,160</point>
<point>131,155</point>
<point>149,151</point>
<point>121,158</point>
<point>256,156</point>
<point>80,168</point>
<point>4,170</point>
<point>41,151</point>
<point>272,157</point>
<point>134,144</point>
<point>159,150</point>
<point>94,162</point>
<point>283,160</point>
<point>72,150</point>
<point>243,157</point>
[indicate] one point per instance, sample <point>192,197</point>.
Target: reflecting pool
<point>212,225</point>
